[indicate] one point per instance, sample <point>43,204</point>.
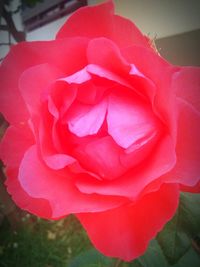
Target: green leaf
<point>190,209</point>
<point>91,258</point>
<point>153,257</point>
<point>191,258</point>
<point>173,241</point>
<point>176,238</point>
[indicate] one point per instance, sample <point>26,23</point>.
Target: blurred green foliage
<point>41,243</point>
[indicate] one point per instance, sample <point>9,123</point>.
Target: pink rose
<point>100,126</point>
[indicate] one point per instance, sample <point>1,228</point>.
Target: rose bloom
<point>101,126</point>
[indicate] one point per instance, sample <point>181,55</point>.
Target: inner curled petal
<point>129,120</point>
<point>86,120</point>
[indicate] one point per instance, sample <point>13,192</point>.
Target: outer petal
<point>13,146</point>
<point>67,54</point>
<point>39,181</point>
<point>110,62</point>
<point>108,56</point>
<point>154,67</point>
<point>187,168</point>
<point>129,228</point>
<point>34,82</point>
<point>186,83</point>
<point>37,206</point>
<point>100,21</point>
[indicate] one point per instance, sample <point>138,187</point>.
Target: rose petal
<point>101,156</point>
<point>138,152</point>
<point>187,169</point>
<point>38,206</point>
<point>131,184</point>
<point>129,120</point>
<point>191,189</point>
<point>163,100</point>
<point>60,97</point>
<point>186,84</point>
<point>87,93</point>
<point>108,56</point>
<point>14,143</point>
<point>86,120</point>
<point>129,228</point>
<point>27,54</point>
<point>78,77</point>
<point>45,133</point>
<point>100,21</point>
<point>109,75</point>
<point>34,81</point>
<point>80,23</point>
<point>39,181</point>
<point>58,161</point>
<point>12,149</point>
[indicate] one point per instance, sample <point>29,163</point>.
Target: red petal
<point>92,21</point>
<point>153,67</point>
<point>47,143</point>
<point>14,144</point>
<point>35,81</point>
<point>160,161</point>
<point>67,54</point>
<point>37,206</point>
<point>101,156</point>
<point>108,56</point>
<point>110,76</point>
<point>61,96</point>
<point>186,83</point>
<point>39,181</point>
<point>100,21</point>
<point>124,232</point>
<point>187,168</point>
<point>193,189</point>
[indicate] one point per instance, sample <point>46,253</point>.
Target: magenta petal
<point>129,120</point>
<point>150,64</point>
<point>27,54</point>
<point>109,75</point>
<point>38,181</point>
<point>60,96</point>
<point>108,56</point>
<point>38,206</point>
<point>59,161</point>
<point>78,77</point>
<point>101,156</point>
<point>87,120</point>
<point>45,132</point>
<point>186,84</point>
<point>132,183</point>
<point>187,169</point>
<point>14,144</point>
<point>33,83</point>
<point>130,228</point>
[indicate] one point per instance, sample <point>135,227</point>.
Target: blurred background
<point>174,26</point>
